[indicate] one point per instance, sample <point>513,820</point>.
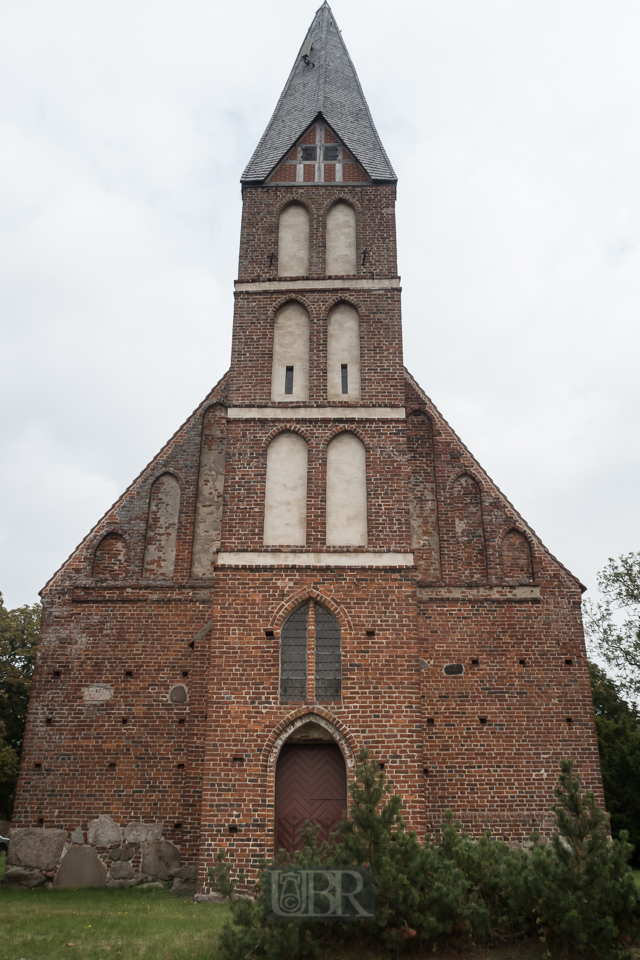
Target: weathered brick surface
<point>484,593</point>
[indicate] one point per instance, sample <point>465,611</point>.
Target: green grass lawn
<point>125,923</point>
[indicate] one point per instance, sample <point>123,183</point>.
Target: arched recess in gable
<point>516,557</point>
<point>110,559</point>
<point>207,531</point>
<point>293,241</point>
<point>466,527</point>
<point>341,240</point>
<point>162,528</point>
<point>423,503</point>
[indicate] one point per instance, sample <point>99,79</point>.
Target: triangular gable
<point>323,82</point>
<point>319,156</point>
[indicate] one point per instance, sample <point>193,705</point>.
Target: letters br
<point>321,893</point>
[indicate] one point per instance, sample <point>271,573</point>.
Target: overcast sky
<point>514,129</point>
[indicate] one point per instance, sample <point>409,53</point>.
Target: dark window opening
<point>331,153</point>
<point>233,828</point>
<point>38,766</point>
<point>181,766</point>
<point>328,655</point>
<point>125,720</point>
<point>185,673</point>
<point>293,656</point>
<point>40,820</point>
<point>344,372</point>
<point>48,720</point>
<point>112,766</point>
<point>569,662</point>
<point>522,663</point>
<point>430,721</point>
<point>453,669</point>
<point>569,719</point>
<point>371,633</point>
<point>128,673</point>
<point>268,633</point>
<point>309,153</point>
<point>426,771</point>
<point>475,663</point>
<point>482,719</point>
<point>56,673</point>
<point>181,720</point>
<point>288,380</point>
<point>177,826</point>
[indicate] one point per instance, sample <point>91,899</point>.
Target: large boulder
<point>121,870</point>
<point>183,888</point>
<point>22,878</point>
<point>189,872</point>
<point>125,852</point>
<point>160,859</point>
<point>36,848</point>
<point>103,832</point>
<point>81,867</point>
<point>138,832</point>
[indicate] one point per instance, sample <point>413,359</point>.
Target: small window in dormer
<point>308,154</point>
<point>331,153</point>
<point>344,371</point>
<point>288,380</point>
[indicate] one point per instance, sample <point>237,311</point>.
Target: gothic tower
<point>313,564</point>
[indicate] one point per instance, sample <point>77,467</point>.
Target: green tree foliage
<point>18,637</point>
<point>613,624</point>
<point>618,729</point>
<point>576,892</point>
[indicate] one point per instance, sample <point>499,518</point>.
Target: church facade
<point>313,564</point>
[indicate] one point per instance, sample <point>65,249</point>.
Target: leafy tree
<point>618,729</point>
<point>18,637</point>
<point>613,624</point>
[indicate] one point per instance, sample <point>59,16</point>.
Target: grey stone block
<point>122,870</point>
<point>209,898</point>
<point>125,852</point>
<point>160,859</point>
<point>183,888</point>
<point>186,873</point>
<point>138,832</point>
<point>21,878</point>
<point>81,867</point>
<point>36,847</point>
<point>103,832</point>
<point>77,836</point>
<point>156,884</point>
<point>122,883</point>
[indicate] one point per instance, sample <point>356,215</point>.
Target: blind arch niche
<point>293,241</point>
<point>341,240</point>
<point>162,527</point>
<point>346,492</point>
<point>343,353</point>
<point>290,367</point>
<point>285,498</point>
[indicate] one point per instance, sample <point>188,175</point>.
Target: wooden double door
<point>311,784</point>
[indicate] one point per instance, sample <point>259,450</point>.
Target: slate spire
<point>323,81</point>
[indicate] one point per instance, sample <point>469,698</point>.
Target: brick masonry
<point>191,663</point>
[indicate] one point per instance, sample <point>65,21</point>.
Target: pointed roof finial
<point>323,81</point>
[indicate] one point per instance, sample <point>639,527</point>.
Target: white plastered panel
<point>293,242</point>
<point>285,498</point>
<point>343,346</point>
<point>341,240</point>
<point>291,349</point>
<point>346,492</point>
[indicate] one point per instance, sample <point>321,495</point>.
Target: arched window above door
<point>310,629</point>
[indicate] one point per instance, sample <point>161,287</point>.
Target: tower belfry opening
<point>314,542</point>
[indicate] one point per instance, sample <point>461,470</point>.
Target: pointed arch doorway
<point>311,784</point>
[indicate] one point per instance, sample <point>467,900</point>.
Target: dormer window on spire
<point>319,157</point>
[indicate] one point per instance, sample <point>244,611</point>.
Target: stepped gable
<point>323,82</point>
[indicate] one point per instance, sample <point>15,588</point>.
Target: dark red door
<point>311,784</point>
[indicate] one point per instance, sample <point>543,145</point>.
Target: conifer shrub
<point>576,892</point>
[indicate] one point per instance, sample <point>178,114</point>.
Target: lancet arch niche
<point>311,784</point>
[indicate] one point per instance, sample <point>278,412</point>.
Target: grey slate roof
<point>330,88</point>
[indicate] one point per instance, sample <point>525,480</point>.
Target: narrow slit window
<point>288,380</point>
<point>344,372</point>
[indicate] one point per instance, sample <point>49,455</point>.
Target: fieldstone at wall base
<point>77,836</point>
<point>123,883</point>
<point>103,832</point>
<point>125,852</point>
<point>189,872</point>
<point>36,847</point>
<point>18,877</point>
<point>81,867</point>
<point>184,888</point>
<point>137,832</point>
<point>160,859</point>
<point>121,870</point>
